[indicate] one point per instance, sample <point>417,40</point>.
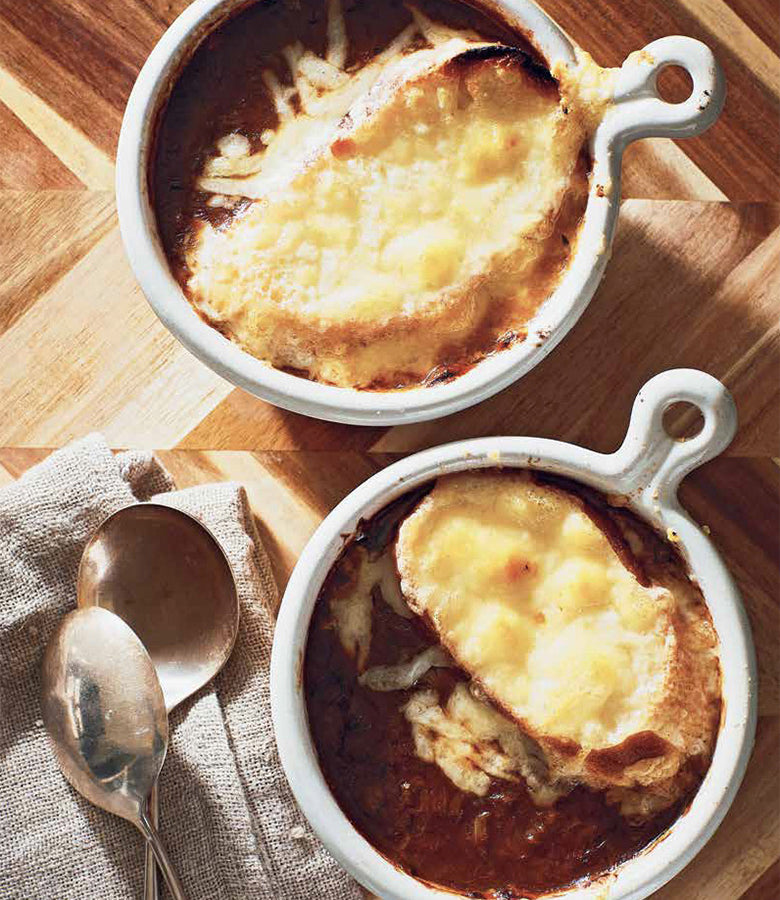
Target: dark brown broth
<point>500,846</point>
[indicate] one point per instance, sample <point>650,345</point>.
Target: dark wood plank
<point>27,162</point>
<point>763,18</point>
<point>767,887</point>
<point>746,844</point>
<point>81,57</point>
<point>739,500</point>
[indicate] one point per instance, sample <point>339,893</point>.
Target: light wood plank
<point>239,419</point>
<point>27,161</point>
<point>90,354</point>
<point>43,234</point>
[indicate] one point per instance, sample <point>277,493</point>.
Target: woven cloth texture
<point>228,818</point>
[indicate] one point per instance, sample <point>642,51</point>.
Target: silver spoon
<point>167,577</point>
<point>105,713</point>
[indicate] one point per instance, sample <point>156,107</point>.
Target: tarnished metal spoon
<point>105,713</point>
<point>167,577</point>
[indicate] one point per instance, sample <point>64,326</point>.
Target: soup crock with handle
<point>647,470</point>
<point>636,111</point>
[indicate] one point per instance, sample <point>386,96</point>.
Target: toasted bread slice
<point>415,232</point>
<point>613,672</point>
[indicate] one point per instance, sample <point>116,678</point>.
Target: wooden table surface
<point>694,280</point>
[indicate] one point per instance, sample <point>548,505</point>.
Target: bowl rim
<point>637,112</point>
<point>647,470</point>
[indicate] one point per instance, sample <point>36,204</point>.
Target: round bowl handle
<point>652,462</point>
<point>639,110</point>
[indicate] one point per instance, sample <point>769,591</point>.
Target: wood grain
<point>28,161</point>
<point>90,353</point>
<point>690,284</point>
<point>740,153</point>
<point>694,280</point>
<point>739,499</point>
<point>81,58</point>
<point>57,228</point>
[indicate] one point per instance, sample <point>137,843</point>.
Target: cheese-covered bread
<point>612,671</point>
<point>418,231</point>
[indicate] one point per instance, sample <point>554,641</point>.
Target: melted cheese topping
<point>530,597</point>
<point>352,602</point>
<point>473,744</point>
<point>527,590</point>
<point>404,219</point>
<point>404,675</point>
<point>378,258</point>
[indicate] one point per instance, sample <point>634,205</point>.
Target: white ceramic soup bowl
<point>637,111</point>
<point>647,469</point>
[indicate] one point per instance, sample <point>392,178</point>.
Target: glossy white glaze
<point>648,469</point>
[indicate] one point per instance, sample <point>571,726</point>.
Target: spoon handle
<point>151,883</point>
<point>171,879</point>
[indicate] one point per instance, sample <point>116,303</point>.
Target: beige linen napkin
<point>228,818</point>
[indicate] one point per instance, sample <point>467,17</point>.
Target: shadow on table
<point>679,291</point>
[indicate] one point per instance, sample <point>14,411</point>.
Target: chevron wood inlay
<point>691,283</point>
<point>61,121</point>
<point>694,281</point>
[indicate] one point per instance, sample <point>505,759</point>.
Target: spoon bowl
<point>104,710</point>
<point>105,713</point>
<point>166,576</point>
